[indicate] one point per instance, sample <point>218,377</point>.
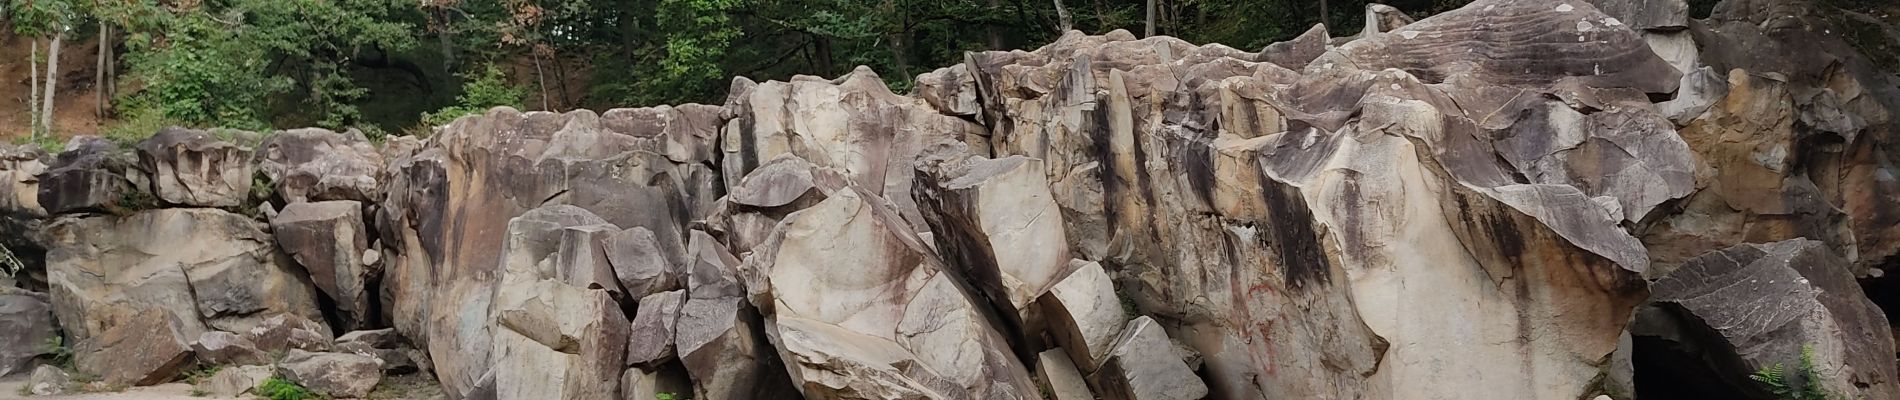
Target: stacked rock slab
<point>194,168</point>
<point>328,239</point>
<point>448,206</point>
<point>1401,179</point>
<point>1725,315</point>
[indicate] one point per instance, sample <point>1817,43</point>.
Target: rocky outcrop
<point>194,168</point>
<point>1105,216</point>
<point>20,167</point>
<point>48,380</point>
<point>316,164</point>
<point>26,327</point>
<point>1727,314</point>
<point>205,268</point>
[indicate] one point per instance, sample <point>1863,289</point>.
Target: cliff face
<point>1475,204</point>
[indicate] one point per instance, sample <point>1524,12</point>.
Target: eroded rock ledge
<point>1475,203</point>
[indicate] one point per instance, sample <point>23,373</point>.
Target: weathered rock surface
<point>226,348</point>
<point>558,334</point>
<point>884,320</point>
<point>996,221</point>
<point>194,168</point>
<point>1083,314</point>
<point>651,339</point>
<point>1434,172</point>
<point>332,374</point>
<point>638,384</point>
<point>26,326</point>
<point>284,332</point>
<point>719,337</point>
<point>91,175</point>
<point>1144,365</point>
<point>48,380</point>
<point>236,381</point>
<point>316,164</point>
<point>146,347</point>
<point>385,338</point>
<point>328,239</point>
<point>449,204</point>
<point>1727,314</point>
<point>1055,370</point>
<point>203,267</point>
<point>20,167</point>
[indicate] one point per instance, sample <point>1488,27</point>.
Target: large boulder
<point>26,329</point>
<point>719,336</point>
<point>650,341</point>
<point>328,239</point>
<point>997,222</point>
<point>332,374</point>
<point>880,318</point>
<point>20,167</point>
<point>203,267</point>
<point>194,168</point>
<point>1143,365</point>
<point>226,348</point>
<point>236,381</point>
<point>557,333</point>
<point>91,175</point>
<point>1789,305</point>
<point>284,332</point>
<point>147,347</point>
<point>1083,314</point>
<point>316,164</point>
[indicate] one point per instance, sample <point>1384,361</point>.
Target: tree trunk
<point>52,79</point>
<point>1063,22</point>
<point>1322,13</point>
<point>996,37</point>
<point>1149,28</point>
<point>99,72</point>
<point>33,94</point>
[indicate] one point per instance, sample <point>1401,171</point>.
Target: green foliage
<point>277,388</point>
<point>482,91</point>
<point>56,351</point>
<point>1802,384</point>
<point>199,375</point>
<point>48,143</point>
<point>667,396</point>
<point>137,123</point>
<point>133,200</point>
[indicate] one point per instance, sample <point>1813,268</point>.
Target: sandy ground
<point>10,390</point>
<point>404,387</point>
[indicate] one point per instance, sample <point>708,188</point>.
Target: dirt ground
<point>73,102</point>
<point>10,389</point>
<point>401,387</point>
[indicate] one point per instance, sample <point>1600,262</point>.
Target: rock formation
<point>1474,204</point>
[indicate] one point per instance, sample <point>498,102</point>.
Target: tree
<point>35,19</point>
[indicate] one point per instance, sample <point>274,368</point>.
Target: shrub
<point>1786,387</point>
<point>483,91</point>
<point>277,388</point>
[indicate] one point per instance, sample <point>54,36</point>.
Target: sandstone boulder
<point>236,381</point>
<point>328,239</point>
<point>195,168</point>
<point>1083,314</point>
<point>332,374</point>
<point>1054,369</point>
<point>91,175</point>
<point>1144,365</point>
<point>885,319</point>
<point>226,348</point>
<point>1727,314</point>
<point>48,380</point>
<point>203,267</point>
<point>26,327</point>
<point>1295,54</point>
<point>285,332</point>
<point>558,334</point>
<point>996,220</point>
<point>143,348</point>
<point>719,336</point>
<point>316,164</point>
<point>20,167</point>
<point>651,340</point>
<point>641,265</point>
<point>385,338</point>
